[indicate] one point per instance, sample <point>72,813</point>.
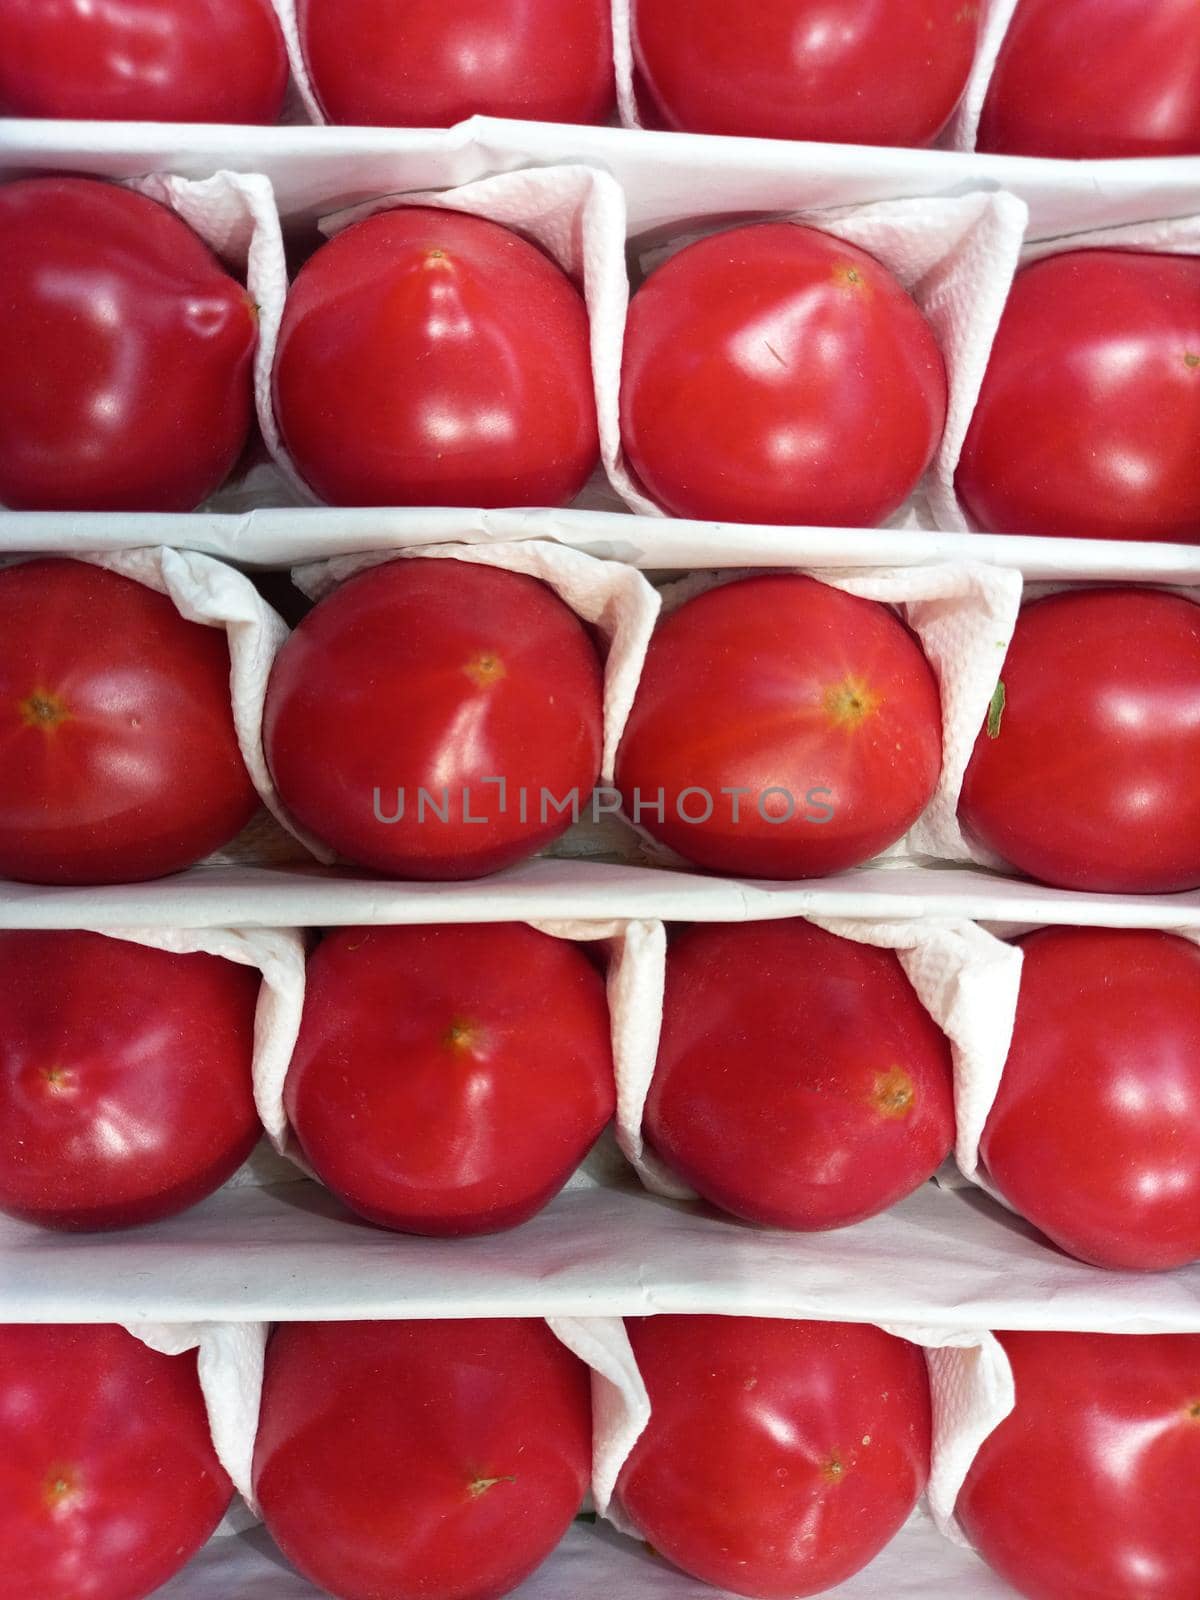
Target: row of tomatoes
<point>772,373</point>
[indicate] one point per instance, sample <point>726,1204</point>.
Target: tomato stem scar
<point>42,709</point>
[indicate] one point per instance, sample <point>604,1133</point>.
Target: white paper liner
<point>964,125</point>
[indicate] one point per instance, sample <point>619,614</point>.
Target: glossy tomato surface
<point>1088,776</point>
<point>109,1483</point>
<point>800,1082</point>
<point>118,756</point>
<point>449,1080</point>
<point>1095,1131</point>
<point>794,730</point>
<point>776,374</point>
<point>1078,78</point>
<point>415,717</point>
<point>1087,419</point>
<point>780,1457</point>
<point>431,358</point>
<point>142,60</point>
<point>432,63</point>
<point>141,343</point>
<point>846,71</point>
<point>124,1078</point>
<point>1087,1488</point>
<point>421,1459</point>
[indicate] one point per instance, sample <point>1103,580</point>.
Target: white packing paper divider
<point>285,10</point>
<point>964,125</point>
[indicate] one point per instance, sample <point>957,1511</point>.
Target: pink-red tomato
<point>1090,408</point>
<point>1087,775</point>
<point>792,730</point>
<point>776,374</point>
<point>1096,79</point>
<point>142,60</point>
<point>432,63</point>
<point>124,1078</point>
<point>109,1482</point>
<point>118,755</point>
<point>126,353</point>
<point>421,1459</point>
<point>429,718</point>
<point>800,1082</point>
<point>449,1080</point>
<point>847,71</point>
<point>1087,1489</point>
<point>432,358</point>
<point>780,1457</point>
<point>1095,1132</point>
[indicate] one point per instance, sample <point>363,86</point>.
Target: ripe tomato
<point>776,374</point>
<point>142,60</point>
<point>780,1457</point>
<point>1089,778</point>
<point>450,1080</point>
<point>141,343</point>
<point>432,63</point>
<point>109,1483</point>
<point>418,717</point>
<point>421,1459</point>
<point>124,1078</point>
<point>431,358</point>
<point>1088,1487</point>
<point>118,755</point>
<point>1095,1132</point>
<point>800,1082</point>
<point>1077,79</point>
<point>848,71</point>
<point>793,730</point>
<point>1090,408</point>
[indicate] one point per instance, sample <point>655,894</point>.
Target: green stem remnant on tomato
<point>480,1486</point>
<point>56,1078</point>
<point>462,1036</point>
<point>1194,1411</point>
<point>42,709</point>
<point>834,1469</point>
<point>893,1094</point>
<point>1191,359</point>
<point>851,702</point>
<point>996,711</point>
<point>61,1485</point>
<point>486,670</point>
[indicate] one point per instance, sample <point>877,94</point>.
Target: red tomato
<point>1088,79</point>
<point>1089,776</point>
<point>421,1459</point>
<point>450,1080</point>
<point>848,71</point>
<point>794,730</point>
<point>432,63</point>
<point>109,1483</point>
<point>800,1082</point>
<point>776,374</point>
<point>1090,408</point>
<point>124,1078</point>
<point>1088,1488</point>
<point>1095,1133</point>
<point>780,1457</point>
<point>141,343</point>
<point>417,718</point>
<point>431,358</point>
<point>142,60</point>
<point>118,755</point>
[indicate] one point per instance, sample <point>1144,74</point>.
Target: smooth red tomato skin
<point>780,1457</point>
<point>1095,1132</point>
<point>432,63</point>
<point>781,682</point>
<point>125,1091</point>
<point>887,72</point>
<point>109,1482</point>
<point>1086,1488</point>
<point>142,60</point>
<point>142,345</point>
<point>776,374</point>
<point>431,358</point>
<point>435,675</point>
<point>1094,81</point>
<point>419,1459</point>
<point>800,1082</point>
<point>119,760</point>
<point>1087,419</point>
<point>1093,779</point>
